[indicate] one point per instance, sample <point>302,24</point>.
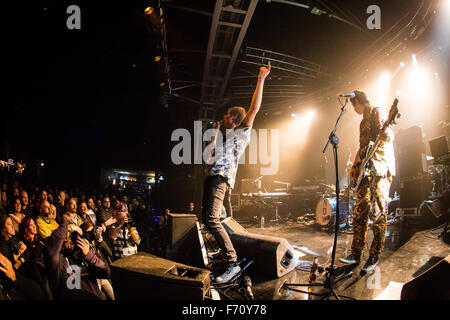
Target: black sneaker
<point>351,259</point>
<point>370,264</point>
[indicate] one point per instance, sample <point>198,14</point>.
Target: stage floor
<point>407,254</point>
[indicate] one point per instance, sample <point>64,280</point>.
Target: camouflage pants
<point>371,202</point>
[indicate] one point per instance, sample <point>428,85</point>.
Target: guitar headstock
<point>393,113</point>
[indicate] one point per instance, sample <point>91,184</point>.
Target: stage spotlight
<point>297,130</point>
<point>399,68</point>
<point>310,115</point>
<point>149,10</point>
<point>436,74</point>
<point>157,58</point>
<point>419,81</point>
<point>385,79</point>
<point>414,61</point>
<point>304,121</point>
<point>446,4</point>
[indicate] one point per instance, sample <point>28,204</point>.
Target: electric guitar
<point>363,170</point>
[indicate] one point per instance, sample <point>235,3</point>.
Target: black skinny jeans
<point>214,192</point>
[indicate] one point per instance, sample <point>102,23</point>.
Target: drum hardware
<point>287,184</point>
<point>276,217</point>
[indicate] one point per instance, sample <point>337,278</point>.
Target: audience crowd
<point>58,244</point>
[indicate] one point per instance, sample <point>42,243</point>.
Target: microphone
<point>220,121</point>
<point>248,287</point>
<point>347,95</point>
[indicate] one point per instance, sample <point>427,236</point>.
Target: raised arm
<point>257,97</point>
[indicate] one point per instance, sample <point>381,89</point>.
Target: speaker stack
<point>412,170</point>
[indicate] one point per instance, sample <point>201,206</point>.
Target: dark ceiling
<point>93,96</point>
<point>338,40</point>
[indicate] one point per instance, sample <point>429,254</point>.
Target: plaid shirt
<point>229,153</point>
<point>123,245</point>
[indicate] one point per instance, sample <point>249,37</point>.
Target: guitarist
<point>372,195</point>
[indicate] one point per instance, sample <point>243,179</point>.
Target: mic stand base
<point>329,283</point>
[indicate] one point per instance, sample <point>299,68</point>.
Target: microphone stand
<point>330,277</point>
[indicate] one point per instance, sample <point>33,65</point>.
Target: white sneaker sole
<point>349,261</point>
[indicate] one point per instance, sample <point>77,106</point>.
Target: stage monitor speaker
<point>430,212</point>
<point>185,240</point>
<point>434,284</point>
<point>272,256</point>
<point>144,276</point>
<point>232,225</point>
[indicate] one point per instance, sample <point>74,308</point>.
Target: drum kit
<point>323,197</point>
<point>440,178</point>
<point>326,208</point>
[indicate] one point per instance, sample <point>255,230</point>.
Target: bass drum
<point>326,211</point>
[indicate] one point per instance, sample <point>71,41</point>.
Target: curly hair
<point>361,97</point>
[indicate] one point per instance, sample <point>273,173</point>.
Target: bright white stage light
<point>385,79</point>
<point>310,115</point>
<point>419,81</point>
<point>402,64</point>
<point>446,5</point>
<point>297,129</point>
<point>414,61</point>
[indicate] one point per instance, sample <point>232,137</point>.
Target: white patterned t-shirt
<point>229,153</point>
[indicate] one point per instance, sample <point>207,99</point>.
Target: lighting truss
<point>228,28</point>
